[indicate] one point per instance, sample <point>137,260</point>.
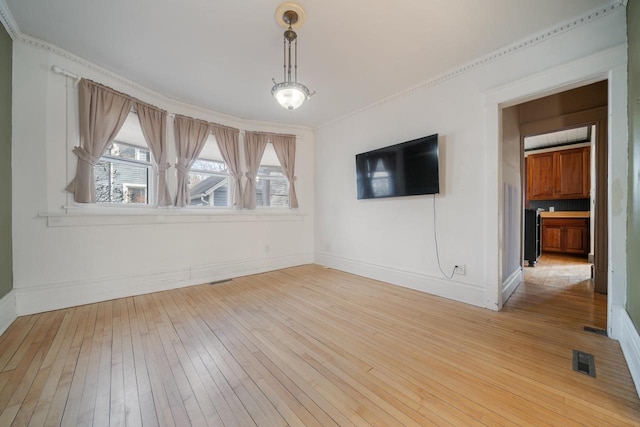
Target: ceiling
<point>222,54</point>
<point>559,138</point>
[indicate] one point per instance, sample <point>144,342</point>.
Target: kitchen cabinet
<point>565,235</point>
<point>563,174</point>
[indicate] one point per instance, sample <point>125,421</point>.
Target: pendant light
<point>289,93</point>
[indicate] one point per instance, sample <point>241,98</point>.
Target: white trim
<point>54,296</point>
<point>95,216</point>
<point>496,54</point>
<point>451,289</point>
<point>607,64</point>
<point>7,310</point>
<point>511,284</point>
<point>10,24</point>
<point>630,343</point>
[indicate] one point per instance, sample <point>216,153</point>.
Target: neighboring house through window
<point>272,186</point>
<point>209,177</point>
<point>124,174</point>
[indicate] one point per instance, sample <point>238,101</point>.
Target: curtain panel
<point>227,139</point>
<point>102,114</point>
<point>154,128</point>
<point>191,135</point>
<point>285,148</point>
<point>254,145</point>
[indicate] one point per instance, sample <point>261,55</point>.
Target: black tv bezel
<point>396,147</point>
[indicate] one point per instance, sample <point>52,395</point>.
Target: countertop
<point>565,214</point>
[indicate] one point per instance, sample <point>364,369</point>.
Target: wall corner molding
<point>7,310</point>
<point>54,296</point>
<point>630,343</point>
<point>10,24</point>
<point>467,293</point>
<point>511,284</point>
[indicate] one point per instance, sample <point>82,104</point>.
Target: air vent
<point>598,331</point>
<point>219,281</point>
<point>584,363</point>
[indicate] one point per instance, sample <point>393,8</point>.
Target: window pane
<point>129,152</point>
<point>120,182</point>
<point>273,192</point>
<point>208,189</point>
<point>209,166</point>
<point>124,172</point>
<point>272,186</point>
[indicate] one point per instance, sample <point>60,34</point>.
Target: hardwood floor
<point>317,347</point>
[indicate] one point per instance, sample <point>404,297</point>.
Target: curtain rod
<point>66,73</point>
<point>59,70</point>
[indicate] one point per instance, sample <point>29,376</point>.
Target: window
<point>209,177</point>
<point>272,186</point>
<point>124,173</point>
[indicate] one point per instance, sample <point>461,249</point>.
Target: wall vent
<point>598,331</point>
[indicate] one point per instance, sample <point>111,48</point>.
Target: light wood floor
<point>317,347</point>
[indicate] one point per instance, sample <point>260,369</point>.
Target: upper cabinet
<point>563,174</point>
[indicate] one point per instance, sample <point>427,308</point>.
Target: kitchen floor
<point>561,271</point>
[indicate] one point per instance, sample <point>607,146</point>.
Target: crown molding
<point>194,110</point>
<point>10,24</point>
<point>496,54</point>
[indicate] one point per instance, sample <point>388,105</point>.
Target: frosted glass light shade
<point>290,95</point>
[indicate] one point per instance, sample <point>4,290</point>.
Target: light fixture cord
<point>296,59</point>
<point>284,57</point>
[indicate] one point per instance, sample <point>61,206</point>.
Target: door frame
<point>607,65</point>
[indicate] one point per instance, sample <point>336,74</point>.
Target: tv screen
<point>406,169</point>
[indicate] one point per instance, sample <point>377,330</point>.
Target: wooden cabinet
<point>563,174</point>
<point>565,235</point>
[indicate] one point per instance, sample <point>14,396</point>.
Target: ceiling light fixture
<point>289,93</point>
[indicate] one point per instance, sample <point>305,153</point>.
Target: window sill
<point>84,216</point>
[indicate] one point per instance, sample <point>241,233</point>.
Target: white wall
<point>392,239</point>
<point>64,257</point>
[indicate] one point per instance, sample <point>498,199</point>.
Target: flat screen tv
<point>406,169</point>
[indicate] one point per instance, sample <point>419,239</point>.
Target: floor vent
<point>584,363</point>
<point>220,281</point>
<point>598,331</point>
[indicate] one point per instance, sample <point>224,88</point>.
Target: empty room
<point>267,213</point>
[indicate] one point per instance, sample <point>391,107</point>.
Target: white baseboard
<point>7,310</point>
<point>630,343</point>
<point>510,285</point>
<point>452,289</point>
<point>55,296</point>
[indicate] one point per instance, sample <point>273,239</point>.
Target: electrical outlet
<point>460,269</point>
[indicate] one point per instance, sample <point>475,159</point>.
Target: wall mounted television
<point>406,169</point>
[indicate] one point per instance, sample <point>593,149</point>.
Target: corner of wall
<point>7,311</point>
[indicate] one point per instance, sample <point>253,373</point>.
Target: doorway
<point>561,152</point>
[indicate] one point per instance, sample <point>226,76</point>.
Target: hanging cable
<point>435,238</point>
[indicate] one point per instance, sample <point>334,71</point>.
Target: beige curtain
<point>227,139</point>
<point>191,135</point>
<point>102,114</point>
<point>285,148</point>
<point>154,128</point>
<point>254,145</point>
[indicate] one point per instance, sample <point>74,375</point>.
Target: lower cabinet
<point>565,235</point>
